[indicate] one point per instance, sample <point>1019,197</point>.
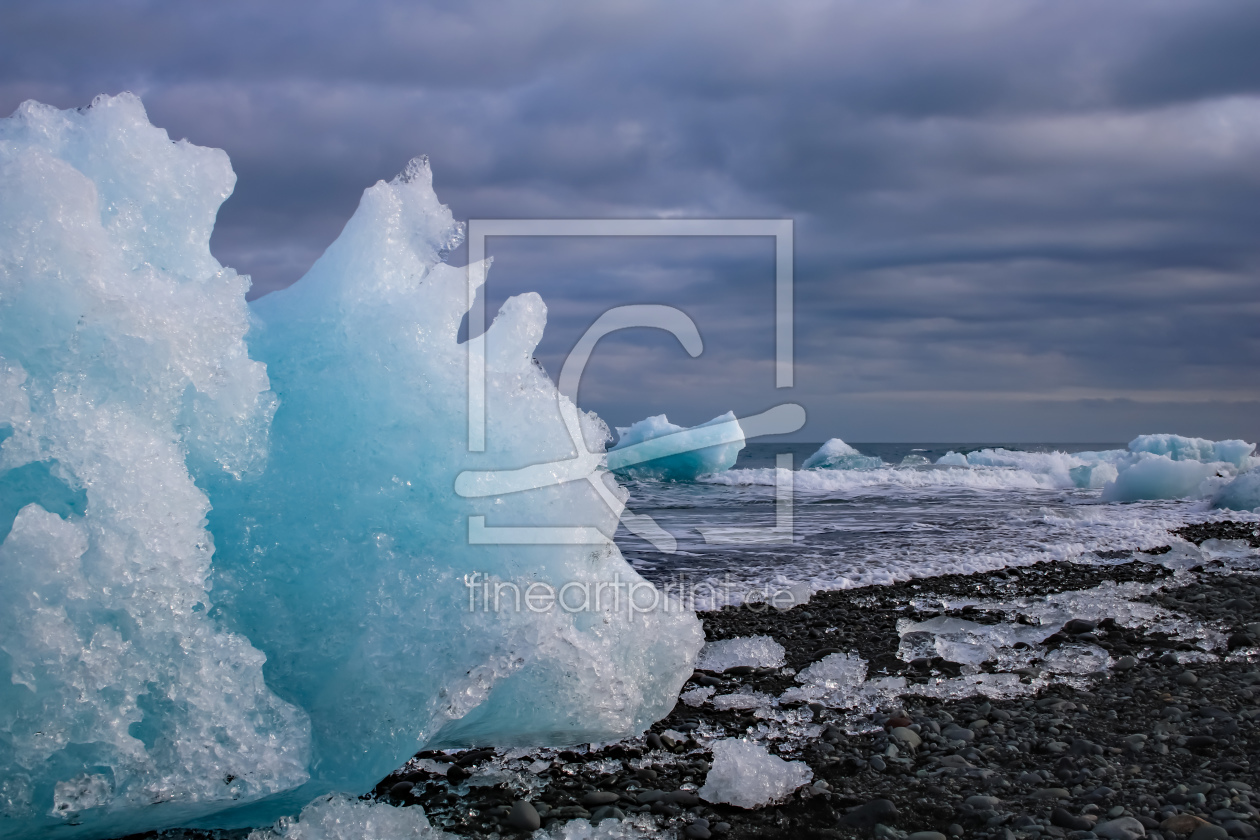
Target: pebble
<point>980,802</point>
<point>1209,832</point>
<point>607,812</point>
<point>870,814</point>
<point>926,835</point>
<point>1238,828</point>
<point>907,736</point>
<point>697,832</point>
<point>524,816</point>
<point>1122,828</point>
<point>1125,663</point>
<point>599,797</point>
<point>1061,817</point>
<point>877,764</point>
<point>1187,678</point>
<point>1051,793</point>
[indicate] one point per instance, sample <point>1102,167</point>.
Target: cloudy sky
<point>1015,221</point>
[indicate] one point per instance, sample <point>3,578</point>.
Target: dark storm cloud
<point>1014,220</point>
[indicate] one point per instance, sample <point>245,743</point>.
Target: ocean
<point>867,527</point>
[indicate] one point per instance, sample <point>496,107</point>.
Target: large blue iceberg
<point>238,575</point>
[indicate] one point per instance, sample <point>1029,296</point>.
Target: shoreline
<point>1165,744</point>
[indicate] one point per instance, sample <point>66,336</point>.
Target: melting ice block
<point>656,448</point>
<point>238,586</point>
<point>753,651</point>
<point>835,454</point>
<point>746,775</point>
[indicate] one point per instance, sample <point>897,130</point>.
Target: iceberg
<point>835,454</point>
<point>1158,477</point>
<point>1243,493</point>
<point>1178,448</point>
<point>238,577</point>
<point>655,448</point>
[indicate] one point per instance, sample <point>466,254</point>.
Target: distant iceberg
<point>241,574</point>
<point>835,454</point>
<point>656,448</point>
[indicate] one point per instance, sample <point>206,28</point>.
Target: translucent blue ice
<point>656,448</point>
<point>241,574</point>
<point>835,454</point>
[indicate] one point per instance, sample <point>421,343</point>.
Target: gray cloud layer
<point>1015,220</point>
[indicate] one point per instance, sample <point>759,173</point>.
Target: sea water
<point>854,528</point>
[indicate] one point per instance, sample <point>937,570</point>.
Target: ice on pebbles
<point>835,454</point>
<point>340,817</point>
<point>836,680</point>
<point>231,583</point>
<point>754,651</point>
<point>656,448</point>
<point>745,774</point>
<point>696,697</point>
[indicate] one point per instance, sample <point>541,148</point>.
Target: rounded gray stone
<point>524,816</point>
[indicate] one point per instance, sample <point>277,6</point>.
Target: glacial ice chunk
<point>746,775</point>
<point>1158,477</point>
<point>340,817</point>
<point>1178,448</point>
<point>1093,476</point>
<point>835,454</point>
<point>128,703</point>
<point>351,562</point>
<point>1243,493</point>
<point>231,588</point>
<point>754,651</point>
<point>656,448</point>
<point>953,459</point>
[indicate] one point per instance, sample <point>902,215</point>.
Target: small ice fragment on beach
<point>754,651</point>
<point>746,775</point>
<point>656,448</point>
<point>697,696</point>
<point>741,700</point>
<point>836,670</point>
<point>339,817</point>
<point>1077,659</point>
<point>835,454</point>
